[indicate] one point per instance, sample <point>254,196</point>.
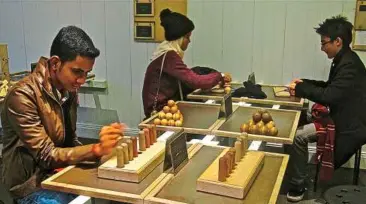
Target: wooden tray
<point>286,121</point>
<point>238,184</point>
<point>137,169</point>
<point>181,188</point>
<point>271,99</point>
<point>199,118</point>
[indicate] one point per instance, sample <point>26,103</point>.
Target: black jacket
<point>345,95</point>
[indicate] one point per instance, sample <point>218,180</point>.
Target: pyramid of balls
<point>170,116</point>
<point>260,124</point>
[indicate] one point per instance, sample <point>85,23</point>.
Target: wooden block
<point>244,140</point>
<point>120,157</point>
<point>222,169</point>
<point>126,158</point>
<point>147,137</point>
<point>240,180</point>
<point>238,148</point>
<point>142,145</point>
<point>137,169</point>
<point>130,150</point>
<point>155,134</point>
<point>134,146</point>
<point>281,91</point>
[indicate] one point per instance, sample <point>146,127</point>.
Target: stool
<point>346,194</point>
<point>356,169</point>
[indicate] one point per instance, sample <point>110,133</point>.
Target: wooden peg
<point>223,169</point>
<point>147,137</point>
<point>134,146</point>
<point>142,145</point>
<point>120,157</point>
<point>238,149</point>
<point>130,149</point>
<point>125,153</point>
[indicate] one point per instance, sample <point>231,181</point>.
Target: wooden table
<point>161,187</point>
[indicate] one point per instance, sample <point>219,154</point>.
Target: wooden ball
<point>244,127</point>
<point>171,103</point>
<point>178,123</point>
<point>227,90</point>
<point>171,123</point>
<point>164,122</point>
<point>257,117</point>
<point>174,109</point>
<point>176,116</point>
<point>168,116</point>
<point>157,121</point>
<point>266,117</point>
<point>273,131</point>
<point>166,109</point>
<point>161,115</point>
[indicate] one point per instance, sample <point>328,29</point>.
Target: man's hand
<point>109,137</point>
<point>296,81</point>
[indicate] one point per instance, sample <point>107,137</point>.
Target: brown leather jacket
<point>39,133</point>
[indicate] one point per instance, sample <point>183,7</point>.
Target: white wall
<point>273,38</point>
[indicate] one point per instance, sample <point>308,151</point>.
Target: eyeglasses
<point>324,43</point>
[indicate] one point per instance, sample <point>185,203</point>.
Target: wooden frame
<point>147,24</point>
<point>359,25</point>
<point>265,138</point>
<point>50,184</point>
<point>151,199</point>
<point>148,122</point>
<point>194,95</point>
<point>144,1</point>
<point>4,62</point>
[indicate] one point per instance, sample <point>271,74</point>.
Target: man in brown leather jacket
<point>39,119</point>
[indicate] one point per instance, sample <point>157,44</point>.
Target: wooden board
<point>181,188</point>
<point>271,99</point>
<point>237,185</point>
<point>286,122</point>
<point>4,62</point>
<point>83,180</point>
<point>137,169</point>
<point>281,91</point>
<point>199,118</point>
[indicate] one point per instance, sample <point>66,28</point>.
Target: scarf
<point>166,46</point>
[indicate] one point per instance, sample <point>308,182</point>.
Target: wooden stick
<point>228,164</point>
<point>244,141</point>
<point>151,134</point>
<point>134,146</point>
<point>130,149</point>
<point>223,169</point>
<point>154,133</point>
<point>233,153</point>
<point>120,157</point>
<point>238,149</point>
<point>142,146</point>
<point>125,152</point>
<point>147,137</point>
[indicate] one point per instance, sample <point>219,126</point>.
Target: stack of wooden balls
<point>170,115</point>
<point>260,124</point>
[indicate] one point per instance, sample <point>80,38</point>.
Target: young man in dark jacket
<point>344,94</point>
<point>39,120</point>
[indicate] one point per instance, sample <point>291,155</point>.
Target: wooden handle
<point>120,157</point>
<point>142,146</point>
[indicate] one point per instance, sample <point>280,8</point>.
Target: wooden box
<point>286,121</point>
<point>199,118</point>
